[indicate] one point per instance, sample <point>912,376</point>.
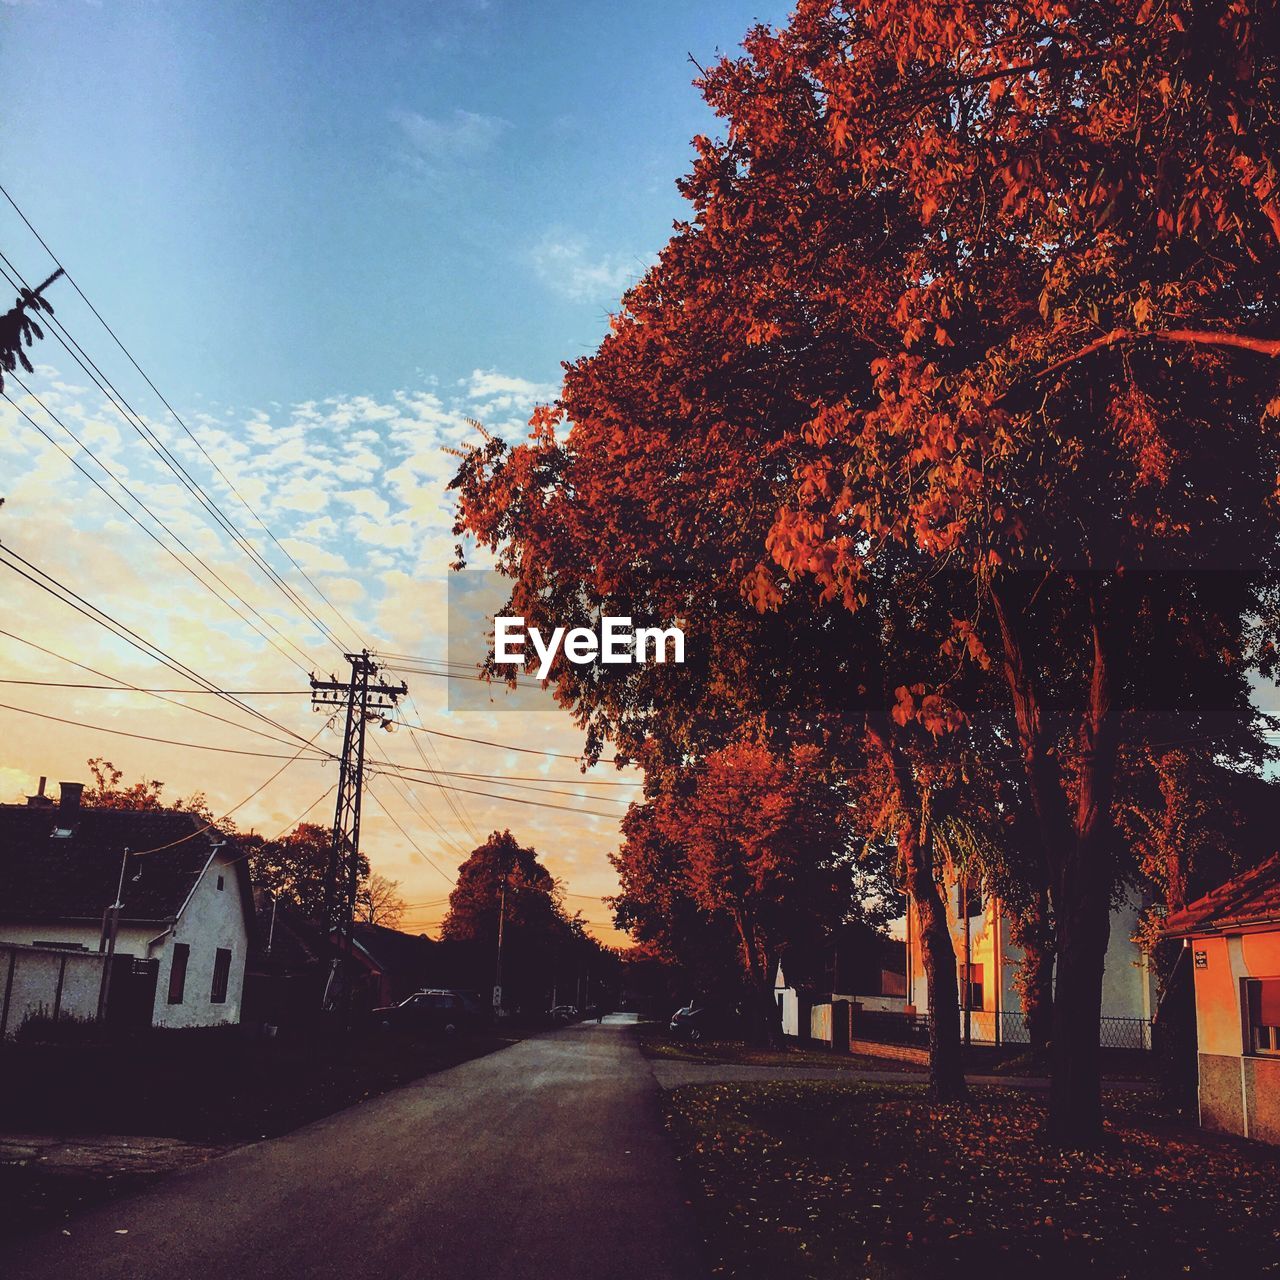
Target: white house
<point>994,1006</point>
<point>185,916</point>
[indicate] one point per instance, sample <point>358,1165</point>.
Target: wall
<point>44,980</point>
<point>1128,985</point>
<point>131,940</point>
<point>212,918</point>
<point>1239,1092</point>
<point>898,1052</point>
<point>820,1022</point>
<point>789,1001</point>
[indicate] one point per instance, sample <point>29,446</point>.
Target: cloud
<point>355,489</point>
<point>493,392</point>
<point>440,140</point>
<point>562,262</point>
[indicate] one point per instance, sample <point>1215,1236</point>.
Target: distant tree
<point>532,901</point>
<point>107,793</point>
<point>379,901</point>
<point>294,868</point>
<point>544,950</point>
<point>752,840</point>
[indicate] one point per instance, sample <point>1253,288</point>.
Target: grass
<point>816,1179</point>
<point>657,1042</point>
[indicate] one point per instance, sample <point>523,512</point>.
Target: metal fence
<point>890,1028</point>
<point>985,1026</point>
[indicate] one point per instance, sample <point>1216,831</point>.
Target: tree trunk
<point>765,1018</point>
<point>946,1070</point>
<point>1082,913</point>
<point>1079,861</point>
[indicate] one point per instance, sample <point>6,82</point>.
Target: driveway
<point>546,1161</point>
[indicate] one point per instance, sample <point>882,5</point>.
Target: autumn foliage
<point>970,338</point>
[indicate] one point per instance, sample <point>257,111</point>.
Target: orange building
<point>1233,938</point>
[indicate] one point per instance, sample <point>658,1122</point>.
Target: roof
<point>47,877</point>
<point>393,951</point>
<point>1248,901</point>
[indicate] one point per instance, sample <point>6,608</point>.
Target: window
<point>973,987</point>
<point>969,897</point>
<point>221,972</point>
<point>1262,1003</point>
<point>178,972</point>
<point>221,882</point>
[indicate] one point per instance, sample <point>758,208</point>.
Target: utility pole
<point>110,931</point>
<point>364,699</point>
<point>502,920</point>
<point>968,957</point>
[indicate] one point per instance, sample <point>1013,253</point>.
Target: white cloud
<point>493,392</point>
<point>563,263</point>
<point>461,136</point>
<point>355,489</point>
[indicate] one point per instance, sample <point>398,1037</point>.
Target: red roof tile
<point>1252,898</point>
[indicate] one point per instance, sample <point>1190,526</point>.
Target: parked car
<point>429,1011</point>
<point>565,1013</point>
<point>691,1023</point>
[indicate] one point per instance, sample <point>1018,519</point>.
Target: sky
<point>333,237</point>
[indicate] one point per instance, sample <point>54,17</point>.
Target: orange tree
<point>656,505</point>
<point>756,845</point>
<point>1070,395</point>
<point>984,290</point>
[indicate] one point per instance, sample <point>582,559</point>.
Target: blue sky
<point>333,235</point>
<point>282,202</point>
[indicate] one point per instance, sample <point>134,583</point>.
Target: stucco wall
<point>1239,1092</point>
<point>1218,1027</point>
<point>130,939</point>
<point>1128,985</point>
<point>820,1022</point>
<point>1221,1098</point>
<point>40,981</point>
<point>212,918</point>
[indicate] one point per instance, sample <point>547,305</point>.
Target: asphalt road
<point>546,1161</point>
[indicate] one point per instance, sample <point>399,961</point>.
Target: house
<point>184,921</point>
<point>392,964</point>
<point>859,964</point>
<point>990,960</point>
<point>287,972</point>
<point>1232,939</point>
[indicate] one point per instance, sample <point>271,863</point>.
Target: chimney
<point>40,800</point>
<point>69,795</point>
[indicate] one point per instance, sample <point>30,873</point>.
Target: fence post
<point>841,1028</point>
<point>8,992</point>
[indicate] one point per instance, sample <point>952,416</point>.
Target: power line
<point>490,795</point>
<point>124,686</point>
<point>382,805</point>
<point>162,451</point>
<point>482,742</point>
<point>144,737</point>
<point>208,826</point>
<point>151,650</point>
<point>200,560</point>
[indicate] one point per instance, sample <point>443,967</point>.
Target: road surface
<point>546,1161</point>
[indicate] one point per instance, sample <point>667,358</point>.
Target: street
<point>547,1159</point>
